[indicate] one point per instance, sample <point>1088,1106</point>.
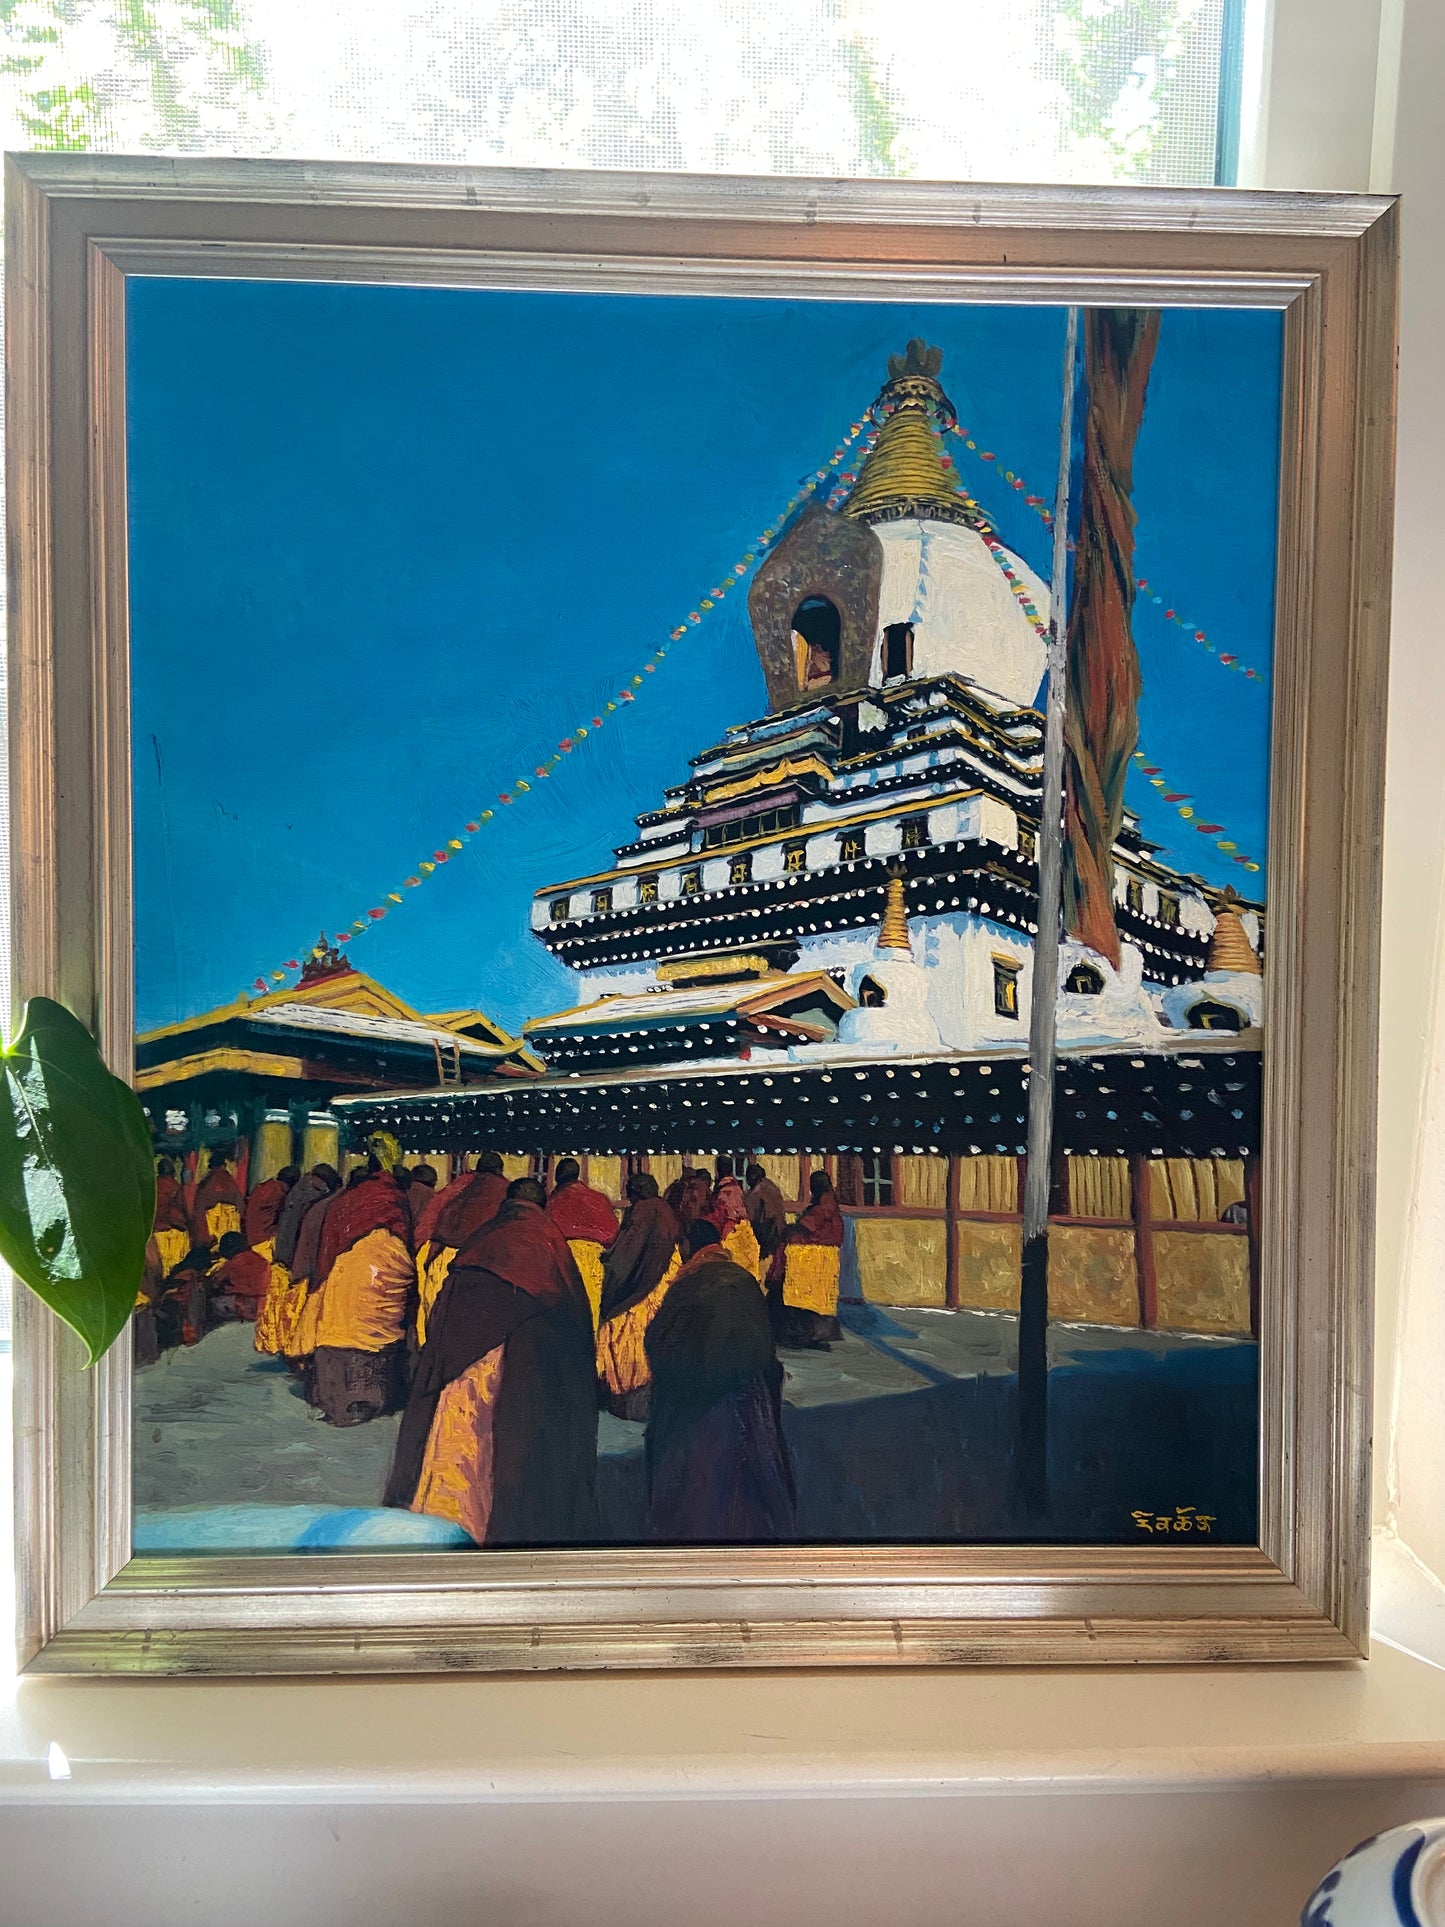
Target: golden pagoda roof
<point>907,472</point>
<point>1229,947</point>
<point>893,932</point>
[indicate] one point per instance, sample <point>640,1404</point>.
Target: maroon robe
<point>580,1212</point>
<point>216,1187</point>
<point>263,1210</point>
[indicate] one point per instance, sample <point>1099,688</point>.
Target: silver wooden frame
<point>76,227</point>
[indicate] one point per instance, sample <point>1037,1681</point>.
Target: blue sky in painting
<point>389,545</point>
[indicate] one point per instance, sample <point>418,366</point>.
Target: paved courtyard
<point>904,1431</point>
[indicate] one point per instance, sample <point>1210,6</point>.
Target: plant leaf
<point>77,1176</point>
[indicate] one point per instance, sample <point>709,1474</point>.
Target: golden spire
<point>893,933</point>
<point>906,471</point>
<point>1229,947</point>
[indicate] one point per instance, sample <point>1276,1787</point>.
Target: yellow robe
<point>366,1294</point>
<point>280,1308</point>
<point>456,1473</point>
<point>621,1349</point>
<point>810,1282</point>
<point>433,1262</point>
<point>220,1219</point>
<point>741,1245</point>
<point>587,1254</point>
<point>173,1246</point>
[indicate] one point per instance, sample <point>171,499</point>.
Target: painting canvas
<point>588,763</point>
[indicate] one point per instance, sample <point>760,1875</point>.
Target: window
<point>561,909</point>
<point>692,883</point>
<point>1168,911</point>
<point>1006,986</point>
<point>1212,1016</point>
<point>915,833</point>
<point>877,1176</point>
<point>897,650</point>
<point>817,641</point>
<point>601,900</point>
<point>795,859</point>
<point>1084,980</point>
<point>740,870</point>
<point>647,890</point>
<point>741,829</point>
<point>1134,896</point>
<point>1028,844</point>
<point>851,847</point>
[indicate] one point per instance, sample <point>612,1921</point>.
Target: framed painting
<point>731,831</point>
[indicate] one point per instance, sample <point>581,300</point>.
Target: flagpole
<point>1033,1361</point>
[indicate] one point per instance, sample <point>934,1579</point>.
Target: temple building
<point>819,949</point>
<point>256,1078</point>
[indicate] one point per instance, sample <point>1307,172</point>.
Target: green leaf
<point>77,1176</point>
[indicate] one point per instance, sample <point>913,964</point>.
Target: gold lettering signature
<point>1186,1518</point>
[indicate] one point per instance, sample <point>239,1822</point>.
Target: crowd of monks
<point>499,1316</point>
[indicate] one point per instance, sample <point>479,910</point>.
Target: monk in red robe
<point>688,1197</point>
<point>367,1283</point>
<point>803,1278</point>
<point>587,1221</point>
<point>263,1208</point>
<point>172,1223</point>
<point>635,1275</point>
<point>239,1283</point>
<point>500,1431</point>
<point>216,1207</point>
<point>447,1221</point>
<point>727,1213</point>
<point>718,1467</point>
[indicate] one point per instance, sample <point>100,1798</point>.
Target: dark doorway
<point>817,637</point>
<point>897,650</point>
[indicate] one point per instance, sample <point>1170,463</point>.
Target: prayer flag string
<point>1226,658</point>
<point>522,786</point>
<point>1189,809</point>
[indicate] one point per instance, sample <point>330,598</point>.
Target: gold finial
<point>893,933</point>
<point>906,470</point>
<point>1229,947</point>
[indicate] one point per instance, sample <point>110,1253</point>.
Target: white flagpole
<point>1033,1365</point>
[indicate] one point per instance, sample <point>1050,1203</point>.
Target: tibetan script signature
<point>1185,1518</point>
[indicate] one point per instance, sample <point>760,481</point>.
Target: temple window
<point>601,900</point>
<point>851,847</point>
<point>1084,980</point>
<point>795,859</point>
<point>915,833</point>
<point>647,890</point>
<point>692,883</point>
<point>817,640</point>
<point>871,994</point>
<point>1028,844</point>
<point>1212,1016</point>
<point>740,870</point>
<point>561,909</point>
<point>1134,895</point>
<point>877,1179</point>
<point>1168,911</point>
<point>1006,986</point>
<point>897,650</point>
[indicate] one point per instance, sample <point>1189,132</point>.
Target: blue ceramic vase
<point>1394,1879</point>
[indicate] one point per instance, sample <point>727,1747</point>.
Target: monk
<point>767,1214</point>
<point>440,1198</point>
<point>727,1213</point>
<point>172,1224</point>
<point>688,1197</point>
<point>367,1284</point>
<point>280,1313</point>
<point>587,1221</point>
<point>240,1282</point>
<point>298,1328</point>
<point>500,1431</point>
<point>803,1279</point>
<point>216,1207</point>
<point>718,1467</point>
<point>421,1191</point>
<point>263,1209</point>
<point>447,1222</point>
<point>635,1274</point>
<point>319,1182</point>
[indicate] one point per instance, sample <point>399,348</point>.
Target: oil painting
<point>662,1021</point>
